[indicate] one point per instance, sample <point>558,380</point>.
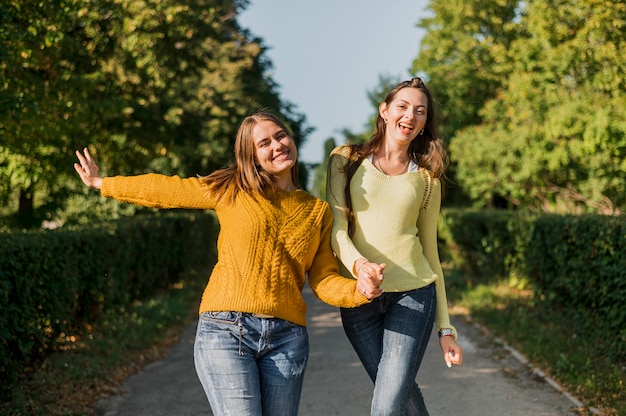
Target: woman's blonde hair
<point>246,175</point>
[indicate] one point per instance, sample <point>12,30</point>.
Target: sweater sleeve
<point>324,278</point>
<point>427,226</point>
<point>341,242</point>
<point>158,191</point>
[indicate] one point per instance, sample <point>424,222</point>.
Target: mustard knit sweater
<point>266,247</point>
<point>395,223</point>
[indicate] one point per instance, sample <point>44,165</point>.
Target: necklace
<point>406,165</point>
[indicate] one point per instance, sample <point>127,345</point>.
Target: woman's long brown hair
<point>426,150</point>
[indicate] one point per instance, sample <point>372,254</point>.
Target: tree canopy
<point>150,85</point>
<point>534,100</point>
<point>532,96</point>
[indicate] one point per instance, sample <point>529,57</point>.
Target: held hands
<point>369,278</point>
<point>452,352</point>
<point>88,170</point>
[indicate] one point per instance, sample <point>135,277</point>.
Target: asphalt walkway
<point>493,380</point>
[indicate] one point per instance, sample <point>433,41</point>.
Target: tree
<point>153,85</point>
<point>463,55</point>
<point>463,60</point>
<point>46,74</point>
<point>554,139</point>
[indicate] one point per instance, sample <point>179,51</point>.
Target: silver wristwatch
<point>446,331</point>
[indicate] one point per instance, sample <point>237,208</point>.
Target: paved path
<point>490,381</point>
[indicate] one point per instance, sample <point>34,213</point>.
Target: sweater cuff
<point>105,188</point>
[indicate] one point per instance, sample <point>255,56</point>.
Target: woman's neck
<point>285,183</point>
<point>392,153</point>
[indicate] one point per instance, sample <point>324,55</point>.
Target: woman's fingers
<point>87,169</point>
<point>373,271</point>
<point>87,162</point>
<point>370,292</point>
<point>92,164</point>
<point>369,279</point>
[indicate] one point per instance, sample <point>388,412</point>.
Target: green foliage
<point>533,100</point>
<point>55,283</point>
<point>151,86</point>
<point>464,55</point>
<point>548,130</point>
<point>44,77</point>
<point>581,262</point>
<point>492,243</point>
<point>552,286</point>
<point>576,264</point>
<point>121,342</point>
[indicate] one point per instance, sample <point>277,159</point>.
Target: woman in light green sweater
<point>385,196</point>
<point>251,346</point>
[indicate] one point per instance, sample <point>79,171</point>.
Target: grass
<point>554,340</point>
<point>83,370</point>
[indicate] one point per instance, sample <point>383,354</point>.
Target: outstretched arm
<point>149,190</point>
<point>88,170</point>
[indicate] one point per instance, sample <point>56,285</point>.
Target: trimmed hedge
<point>581,262</point>
<point>576,263</point>
<point>491,242</point>
<point>54,283</point>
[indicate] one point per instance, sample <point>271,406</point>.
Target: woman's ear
<point>382,110</point>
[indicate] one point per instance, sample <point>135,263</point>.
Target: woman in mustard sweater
<point>385,196</point>
<point>251,346</point>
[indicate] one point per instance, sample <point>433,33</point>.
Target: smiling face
<point>274,150</point>
<point>405,115</point>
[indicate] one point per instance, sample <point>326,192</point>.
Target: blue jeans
<point>250,366</point>
<point>390,336</point>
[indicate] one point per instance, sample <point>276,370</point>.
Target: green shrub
<point>55,283</point>
<point>574,263</point>
<point>491,243</point>
<point>579,263</point>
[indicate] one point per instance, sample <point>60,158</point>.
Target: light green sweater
<point>395,223</point>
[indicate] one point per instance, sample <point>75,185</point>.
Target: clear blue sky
<point>327,54</point>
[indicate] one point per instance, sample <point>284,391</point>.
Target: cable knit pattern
<point>395,223</point>
<point>266,247</point>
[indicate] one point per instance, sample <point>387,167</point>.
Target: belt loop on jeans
<point>239,314</point>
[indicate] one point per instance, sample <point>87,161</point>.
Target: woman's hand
<point>369,278</point>
<point>452,352</point>
<point>88,170</point>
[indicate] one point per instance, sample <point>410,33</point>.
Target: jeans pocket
<point>221,317</point>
